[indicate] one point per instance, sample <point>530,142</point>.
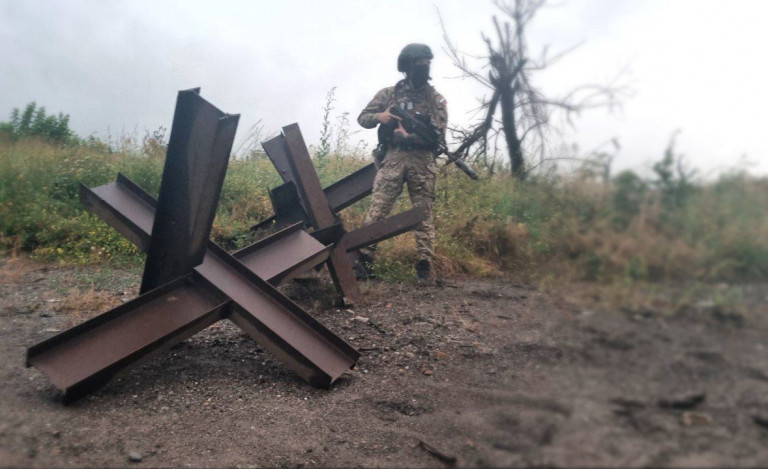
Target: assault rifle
<point>430,135</point>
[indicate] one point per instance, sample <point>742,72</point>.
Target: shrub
<point>35,122</point>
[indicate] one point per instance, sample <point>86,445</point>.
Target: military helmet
<point>410,53</point>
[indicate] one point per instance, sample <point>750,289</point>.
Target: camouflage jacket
<point>424,100</point>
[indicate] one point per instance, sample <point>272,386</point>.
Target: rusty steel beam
<point>330,235</point>
<point>287,204</point>
<point>122,209</point>
<point>190,282</point>
<point>87,356</point>
<point>276,323</point>
<point>304,175</point>
<point>278,154</point>
<point>283,255</point>
<point>195,165</point>
<point>275,258</point>
<point>348,190</point>
<point>383,229</point>
<point>130,210</point>
<point>302,190</point>
<point>319,212</point>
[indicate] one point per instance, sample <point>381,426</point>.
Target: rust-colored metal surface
<point>340,195</point>
<point>305,177</point>
<point>287,204</point>
<point>383,229</point>
<point>195,164</point>
<point>348,190</point>
<point>130,210</point>
<point>319,212</point>
<point>177,300</point>
<point>276,323</point>
<point>291,158</point>
<point>283,255</point>
<point>277,153</point>
<point>275,258</point>
<point>301,199</point>
<point>87,356</point>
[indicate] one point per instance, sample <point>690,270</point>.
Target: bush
<point>34,122</point>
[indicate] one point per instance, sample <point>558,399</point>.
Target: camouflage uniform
<point>410,164</point>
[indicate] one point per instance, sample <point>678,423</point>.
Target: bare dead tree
<point>526,113</point>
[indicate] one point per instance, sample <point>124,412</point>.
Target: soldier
<point>408,159</point>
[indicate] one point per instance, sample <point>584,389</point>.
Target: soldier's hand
<point>400,133</point>
<point>385,117</point>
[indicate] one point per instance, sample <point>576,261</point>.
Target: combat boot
<point>423,270</point>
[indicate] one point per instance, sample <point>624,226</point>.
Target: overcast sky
<point>115,67</point>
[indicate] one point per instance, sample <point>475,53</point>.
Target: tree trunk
<point>514,145</point>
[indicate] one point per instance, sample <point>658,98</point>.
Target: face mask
<point>419,75</point>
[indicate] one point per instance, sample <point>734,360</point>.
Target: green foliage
<point>39,207</point>
<point>326,132</point>
<point>628,198</point>
<point>673,180</point>
<point>34,122</point>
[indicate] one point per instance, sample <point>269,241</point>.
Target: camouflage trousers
<point>417,169</point>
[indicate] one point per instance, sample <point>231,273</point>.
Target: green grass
<point>565,228</point>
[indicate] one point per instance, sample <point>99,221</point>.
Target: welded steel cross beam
<point>198,153</point>
<point>199,283</point>
<point>302,199</point>
<point>318,211</point>
<point>287,203</point>
<point>130,210</point>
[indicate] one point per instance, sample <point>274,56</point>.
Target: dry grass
<point>85,305</point>
<point>15,269</point>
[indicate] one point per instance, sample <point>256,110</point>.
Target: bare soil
<point>474,373</point>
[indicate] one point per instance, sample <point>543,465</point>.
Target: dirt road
<point>478,373</point>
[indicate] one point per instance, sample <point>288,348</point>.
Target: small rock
<point>687,401</point>
<point>761,420</point>
<point>45,314</point>
<point>427,372</point>
<point>51,329</point>
<point>362,319</point>
<point>441,355</point>
<point>627,407</point>
<point>628,403</point>
<point>690,419</point>
<point>705,305</point>
<point>135,456</point>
